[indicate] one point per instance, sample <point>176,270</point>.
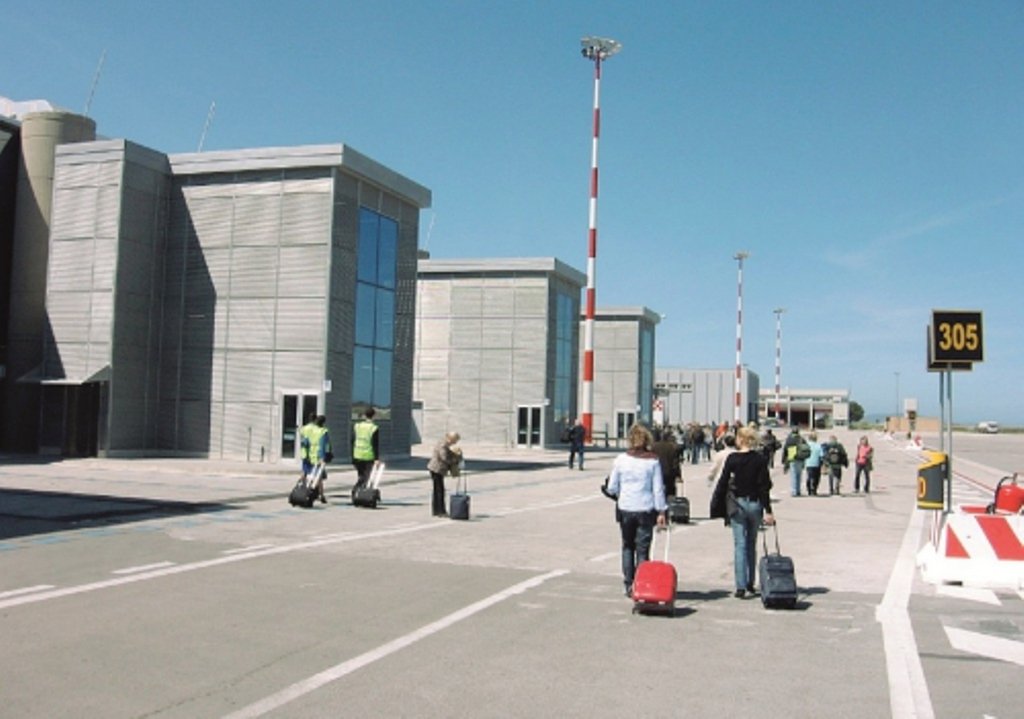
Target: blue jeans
<point>573,451</point>
<point>745,522</point>
<point>637,530</point>
<point>862,469</point>
<point>796,468</point>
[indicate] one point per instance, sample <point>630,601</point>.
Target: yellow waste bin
<point>931,482</point>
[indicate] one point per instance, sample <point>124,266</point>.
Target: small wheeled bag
<point>778,577</point>
<point>459,500</point>
<point>369,494</point>
<point>679,510</point>
<point>304,492</point>
<point>655,582</point>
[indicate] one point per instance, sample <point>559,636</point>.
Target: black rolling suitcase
<point>303,494</point>
<point>460,499</point>
<point>679,510</point>
<point>369,494</point>
<point>778,577</point>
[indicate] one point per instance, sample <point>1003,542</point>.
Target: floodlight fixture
<point>599,48</point>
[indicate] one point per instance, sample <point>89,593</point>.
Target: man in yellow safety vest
<point>365,448</point>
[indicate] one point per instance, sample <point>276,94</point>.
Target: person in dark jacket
<point>769,446</point>
<point>741,497</point>
<point>444,460</point>
<point>577,435</point>
<point>669,456</point>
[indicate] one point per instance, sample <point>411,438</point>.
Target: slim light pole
<point>778,355</point>
<point>896,417</point>
<point>739,257</point>
<point>596,49</point>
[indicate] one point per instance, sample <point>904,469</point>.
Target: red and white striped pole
<point>596,49</point>
<point>739,257</point>
<point>778,355</point>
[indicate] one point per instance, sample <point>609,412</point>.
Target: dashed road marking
<point>985,645</point>
<point>143,568</point>
<point>25,590</point>
<point>251,548</point>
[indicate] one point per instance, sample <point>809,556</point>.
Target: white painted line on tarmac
<point>252,548</point>
<point>974,594</point>
<point>908,688</point>
<point>143,568</point>
<point>604,557</point>
<point>306,686</point>
<point>552,505</point>
<point>985,645</point>
<point>166,571</point>
<point>25,590</point>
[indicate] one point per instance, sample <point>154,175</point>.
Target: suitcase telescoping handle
<point>667,531</point>
<point>461,486</point>
<point>764,539</point>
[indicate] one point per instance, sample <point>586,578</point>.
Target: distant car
<point>988,427</point>
<point>772,422</point>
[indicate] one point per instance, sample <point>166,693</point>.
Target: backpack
<point>836,455</point>
<point>803,450</point>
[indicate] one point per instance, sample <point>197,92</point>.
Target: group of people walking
<point>800,456</point>
<point>641,478</point>
<point>316,453</point>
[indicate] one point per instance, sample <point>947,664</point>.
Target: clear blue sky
<point>868,155</point>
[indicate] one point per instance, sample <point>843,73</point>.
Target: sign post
<point>955,343</point>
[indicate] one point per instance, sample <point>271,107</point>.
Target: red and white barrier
<point>975,549</point>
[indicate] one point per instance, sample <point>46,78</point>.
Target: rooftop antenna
<point>95,82</point>
<point>430,228</point>
<point>206,125</point>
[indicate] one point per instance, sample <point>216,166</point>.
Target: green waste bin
<point>931,482</point>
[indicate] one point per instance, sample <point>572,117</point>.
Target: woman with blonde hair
<point>741,498</point>
<point>637,482</point>
<point>444,460</point>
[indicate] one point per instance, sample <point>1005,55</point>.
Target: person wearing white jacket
<point>639,487</point>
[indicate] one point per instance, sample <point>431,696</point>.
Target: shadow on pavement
<point>25,512</point>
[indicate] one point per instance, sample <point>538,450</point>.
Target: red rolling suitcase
<point>654,586</point>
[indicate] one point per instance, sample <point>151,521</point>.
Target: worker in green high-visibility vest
<point>365,448</point>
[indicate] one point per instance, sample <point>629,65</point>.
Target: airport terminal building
<point>706,395</point>
<point>496,349</point>
<point>624,345</point>
<point>800,407</point>
<point>204,304</point>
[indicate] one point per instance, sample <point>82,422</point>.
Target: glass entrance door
<point>623,421</point>
<point>296,407</point>
<point>528,429</point>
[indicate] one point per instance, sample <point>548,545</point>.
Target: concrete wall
<point>706,395</point>
<point>485,345</point>
<point>620,366</point>
<point>41,134</point>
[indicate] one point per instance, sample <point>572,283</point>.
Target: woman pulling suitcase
<point>741,498</point>
<point>636,482</point>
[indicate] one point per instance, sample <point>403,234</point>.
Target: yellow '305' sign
<point>956,336</point>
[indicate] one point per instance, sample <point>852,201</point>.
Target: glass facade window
<point>566,313</point>
<point>646,372</point>
<point>376,272</point>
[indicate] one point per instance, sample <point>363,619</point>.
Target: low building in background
<point>496,350</point>
<point>821,408</point>
<point>706,396</point>
<point>624,375</point>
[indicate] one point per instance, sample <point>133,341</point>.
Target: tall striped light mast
<point>596,49</point>
<point>739,257</point>
<point>778,356</point>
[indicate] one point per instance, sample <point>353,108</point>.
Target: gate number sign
<point>956,336</point>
